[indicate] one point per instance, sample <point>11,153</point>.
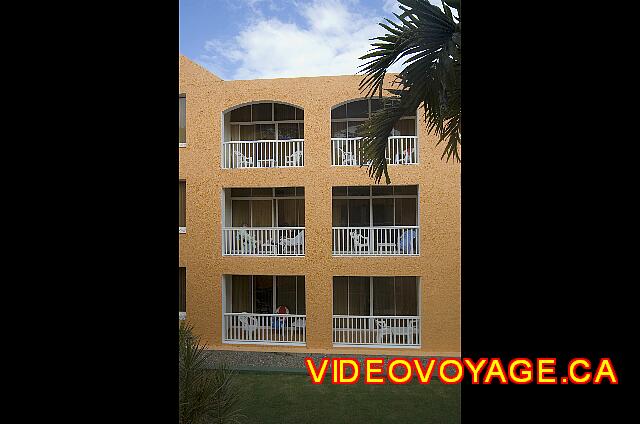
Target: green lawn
<point>291,398</point>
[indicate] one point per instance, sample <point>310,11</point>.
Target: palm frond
<point>427,41</point>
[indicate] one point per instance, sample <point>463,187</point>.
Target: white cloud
<point>329,40</point>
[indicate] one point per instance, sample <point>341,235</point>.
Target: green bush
<point>206,395</point>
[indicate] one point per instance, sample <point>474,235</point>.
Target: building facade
<point>286,243</point>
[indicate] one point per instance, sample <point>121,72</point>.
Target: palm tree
<point>428,40</point>
<point>206,396</point>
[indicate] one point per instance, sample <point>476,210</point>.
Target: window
<point>182,292</point>
<point>346,119</point>
<point>375,206</point>
<point>377,296</point>
<point>267,207</point>
<point>266,121</point>
<point>263,294</point>
<point>182,206</point>
<point>182,120</point>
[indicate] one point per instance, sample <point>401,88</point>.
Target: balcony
<point>375,221</point>
<point>263,154</point>
<point>264,309</point>
<point>376,311</point>
<point>401,150</point>
<point>263,241</point>
<point>376,241</point>
<point>263,135</point>
<point>263,222</point>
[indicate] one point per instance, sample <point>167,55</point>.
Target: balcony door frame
<point>371,197</point>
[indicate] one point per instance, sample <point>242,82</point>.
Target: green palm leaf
<point>428,42</point>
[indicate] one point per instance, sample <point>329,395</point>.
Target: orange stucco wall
<point>438,265</point>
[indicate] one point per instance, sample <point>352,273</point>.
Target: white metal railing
<point>264,328</point>
<point>400,150</point>
<point>387,331</point>
<point>263,241</point>
<point>263,154</point>
<point>374,241</point>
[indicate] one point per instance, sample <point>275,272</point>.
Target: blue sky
<point>247,39</point>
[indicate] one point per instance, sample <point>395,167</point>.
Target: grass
<point>291,398</point>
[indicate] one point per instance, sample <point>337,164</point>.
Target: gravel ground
<point>277,361</point>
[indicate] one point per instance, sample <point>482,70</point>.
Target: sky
<point>249,39</point>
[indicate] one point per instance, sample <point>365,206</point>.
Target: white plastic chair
<point>242,161</point>
<point>348,158</point>
<point>296,242</point>
<point>294,159</point>
<point>383,329</point>
<point>247,241</point>
<point>249,325</point>
<point>357,243</point>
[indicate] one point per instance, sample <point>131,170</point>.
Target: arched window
<point>263,135</point>
<point>346,123</point>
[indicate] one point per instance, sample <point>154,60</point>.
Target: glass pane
<point>383,296</point>
<point>182,289</point>
<point>240,213</point>
<point>406,211</point>
<point>376,105</point>
<point>382,190</point>
<point>265,132</point>
<point>261,192</point>
<point>284,112</point>
<point>299,114</point>
<point>242,114</point>
<point>340,295</point>
<point>358,191</point>
<point>263,294</point>
<point>340,213</point>
<point>240,192</point>
<point>288,131</point>
<point>358,109</point>
<point>241,293</point>
<point>287,213</point>
<point>382,212</point>
<point>302,307</point>
<point>412,189</point>
<point>405,127</point>
<point>247,133</point>
<point>299,191</point>
<point>286,293</point>
<point>359,213</point>
<point>339,191</point>
<point>235,132</point>
<point>300,211</point>
<point>338,130</point>
<point>339,112</point>
<point>354,129</point>
<point>406,295</point>
<point>262,112</point>
<point>301,130</point>
<point>261,213</point>
<point>285,191</point>
<point>182,119</point>
<point>182,204</point>
<point>359,296</point>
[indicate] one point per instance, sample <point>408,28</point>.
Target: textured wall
<point>438,265</point>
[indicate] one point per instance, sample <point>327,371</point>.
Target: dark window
<point>182,119</point>
<point>339,112</point>
<point>299,114</point>
<point>358,109</point>
<point>262,112</point>
<point>284,112</point>
<point>241,114</point>
<point>407,190</point>
<point>182,204</point>
<point>182,289</point>
<point>288,131</point>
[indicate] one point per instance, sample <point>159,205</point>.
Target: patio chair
<point>294,159</point>
<point>249,325</point>
<point>406,156</point>
<point>246,241</point>
<point>405,241</point>
<point>360,242</point>
<point>296,242</point>
<point>348,158</point>
<point>382,329</point>
<point>242,161</point>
